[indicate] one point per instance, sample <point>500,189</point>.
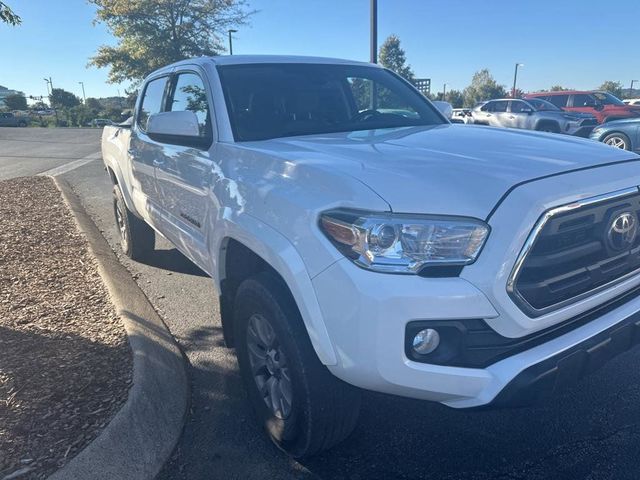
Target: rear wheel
<point>136,237</point>
<point>618,140</point>
<point>303,407</point>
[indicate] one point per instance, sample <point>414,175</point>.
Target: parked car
<point>45,113</point>
<point>461,115</point>
<point>357,248</point>
<point>623,134</point>
<point>532,114</point>
<point>101,122</point>
<point>604,106</point>
<point>632,101</point>
<point>8,119</point>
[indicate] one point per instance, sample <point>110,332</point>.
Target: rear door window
<point>558,100</point>
<point>583,100</point>
<point>517,106</point>
<point>152,100</point>
<point>487,107</point>
<point>500,106</point>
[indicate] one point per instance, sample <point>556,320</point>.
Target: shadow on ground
<point>591,431</point>
<point>174,261</point>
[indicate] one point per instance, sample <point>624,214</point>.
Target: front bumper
<point>569,366</point>
<point>367,313</point>
<point>584,131</point>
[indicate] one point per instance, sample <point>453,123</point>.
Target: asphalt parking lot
<point>589,432</point>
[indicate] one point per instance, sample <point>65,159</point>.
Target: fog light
<point>426,341</point>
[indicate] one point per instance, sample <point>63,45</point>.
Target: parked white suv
<point>360,241</point>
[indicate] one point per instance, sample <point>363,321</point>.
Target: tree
<point>154,33</point>
<point>614,88</point>
<point>558,88</point>
<point>62,99</point>
<point>94,105</point>
<point>393,57</point>
<point>15,102</point>
<point>40,105</point>
<point>483,87</point>
<point>7,15</point>
<point>454,97</point>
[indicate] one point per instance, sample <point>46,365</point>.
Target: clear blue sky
<point>575,43</point>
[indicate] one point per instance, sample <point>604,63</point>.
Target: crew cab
<point>359,240</point>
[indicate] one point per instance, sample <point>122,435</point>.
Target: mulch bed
<point>65,362</point>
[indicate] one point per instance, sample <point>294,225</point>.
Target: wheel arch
<point>248,249</point>
<point>545,121</point>
<point>117,179</point>
<point>620,133</point>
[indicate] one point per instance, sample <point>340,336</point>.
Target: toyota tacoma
<point>359,240</point>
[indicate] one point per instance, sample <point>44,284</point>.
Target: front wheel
<point>303,407</point>
<point>618,140</point>
<point>136,237</point>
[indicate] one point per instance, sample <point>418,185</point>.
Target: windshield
<point>543,105</point>
<point>607,99</point>
<point>280,100</point>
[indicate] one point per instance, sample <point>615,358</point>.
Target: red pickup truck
<point>604,106</point>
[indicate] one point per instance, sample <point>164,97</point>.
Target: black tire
<point>323,409</point>
<point>549,127</point>
<point>618,140</point>
<point>137,239</point>
<point>22,123</point>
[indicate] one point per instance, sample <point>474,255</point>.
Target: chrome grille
<point>576,250</point>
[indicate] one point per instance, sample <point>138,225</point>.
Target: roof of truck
<point>245,59</point>
<point>253,59</point>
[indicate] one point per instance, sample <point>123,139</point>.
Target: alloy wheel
<point>122,226</point>
<point>617,142</point>
<point>269,366</point>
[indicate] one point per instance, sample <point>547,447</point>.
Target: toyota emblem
<point>622,231</point>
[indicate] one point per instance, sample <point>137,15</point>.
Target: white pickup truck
<point>360,241</point>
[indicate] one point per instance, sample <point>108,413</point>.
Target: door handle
<point>511,116</point>
<point>158,163</point>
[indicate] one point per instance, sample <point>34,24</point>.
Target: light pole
<point>49,85</point>
<point>444,92</point>
<point>631,88</point>
<point>231,41</point>
<point>373,45</point>
<point>50,91</point>
<point>515,79</point>
<point>84,97</point>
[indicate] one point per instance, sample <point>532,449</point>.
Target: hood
<point>623,121</point>
<point>446,169</point>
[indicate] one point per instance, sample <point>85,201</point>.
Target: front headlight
<point>396,243</point>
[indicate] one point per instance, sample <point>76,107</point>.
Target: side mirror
<point>179,128</point>
<point>183,124</point>
<point>445,108</point>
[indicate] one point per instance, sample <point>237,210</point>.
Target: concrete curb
<point>140,438</point>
